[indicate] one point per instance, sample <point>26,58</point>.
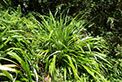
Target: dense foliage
<point>60,40</point>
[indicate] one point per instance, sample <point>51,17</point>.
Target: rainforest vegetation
<point>60,40</point>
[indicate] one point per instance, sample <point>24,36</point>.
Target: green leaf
<point>89,71</point>
<point>7,68</point>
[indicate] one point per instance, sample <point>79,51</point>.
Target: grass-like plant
<point>67,49</point>
<point>15,55</point>
<point>57,46</point>
<point>15,52</point>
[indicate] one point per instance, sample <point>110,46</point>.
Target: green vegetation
<point>71,41</point>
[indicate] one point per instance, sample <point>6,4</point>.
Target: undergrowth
<point>52,49</point>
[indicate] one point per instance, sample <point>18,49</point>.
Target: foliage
<point>67,48</point>
<point>14,47</point>
<point>58,46</point>
<point>106,13</point>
